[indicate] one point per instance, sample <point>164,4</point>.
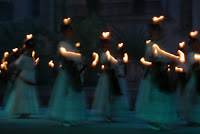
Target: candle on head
<point>78,44</point>
<point>66,20</point>
<point>157,19</point>
<point>106,35</point>
<point>148,41</point>
<point>182,44</point>
<point>29,36</point>
<point>120,45</point>
<point>193,34</point>
<point>102,67</point>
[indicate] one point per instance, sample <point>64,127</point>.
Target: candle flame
<point>148,41</point>
<point>96,59</point>
<point>37,61</point>
<point>155,46</point>
<point>102,67</point>
<point>5,55</point>
<point>197,57</point>
<point>29,36</point>
<point>182,44</point>
<point>15,50</point>
<point>51,64</point>
<point>78,44</point>
<point>110,57</point>
<point>193,34</point>
<point>168,65</point>
<point>66,20</point>
<point>157,19</point>
<point>169,69</point>
<point>178,69</point>
<point>106,35</point>
<point>125,58</point>
<point>4,65</point>
<point>120,45</point>
<point>65,52</point>
<point>182,56</point>
<point>33,54</point>
<point>143,61</point>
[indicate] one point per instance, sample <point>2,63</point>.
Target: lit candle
<point>157,19</point>
<point>102,67</point>
<point>96,59</point>
<point>178,69</point>
<point>169,69</point>
<point>33,54</point>
<point>182,44</point>
<point>106,35</point>
<point>29,36</point>
<point>182,56</point>
<point>51,64</point>
<point>143,61</point>
<point>193,34</point>
<point>78,44</point>
<point>64,51</point>
<point>5,55</point>
<point>197,57</point>
<point>120,45</point>
<point>148,41</point>
<point>15,50</point>
<point>125,58</point>
<point>37,61</point>
<point>66,20</point>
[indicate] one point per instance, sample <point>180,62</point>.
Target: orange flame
<point>65,52</point>
<point>37,61</point>
<point>157,19</point>
<point>15,50</point>
<point>125,58</point>
<point>66,20</point>
<point>102,67</point>
<point>193,34</point>
<point>106,35</point>
<point>5,55</point>
<point>78,44</point>
<point>178,69</point>
<point>120,45</point>
<point>96,59</point>
<point>33,54</point>
<point>29,36</point>
<point>155,46</point>
<point>148,41</point>
<point>182,44</point>
<point>197,57</point>
<point>182,56</point>
<point>51,64</point>
<point>143,61</point>
<point>4,65</point>
<point>110,57</point>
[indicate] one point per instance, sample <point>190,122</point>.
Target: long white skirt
<point>23,99</point>
<point>107,105</point>
<point>192,102</point>
<point>153,105</point>
<point>65,103</point>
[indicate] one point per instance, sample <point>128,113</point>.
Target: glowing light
<point>68,53</point>
<point>66,20</point>
<point>106,35</point>
<point>125,58</point>
<point>110,57</point>
<point>178,69</point>
<point>155,46</point>
<point>33,54</point>
<point>37,61</point>
<point>197,57</point>
<point>182,44</point>
<point>120,45</point>
<point>78,44</point>
<point>143,61</point>
<point>102,67</point>
<point>5,55</point>
<point>148,41</point>
<point>157,19</point>
<point>51,64</point>
<point>15,50</point>
<point>96,59</point>
<point>169,69</point>
<point>182,56</point>
<point>29,36</point>
<point>193,34</point>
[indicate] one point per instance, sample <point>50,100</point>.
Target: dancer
<point>154,102</point>
<point>23,99</point>
<point>109,101</point>
<point>67,103</point>
<point>192,90</point>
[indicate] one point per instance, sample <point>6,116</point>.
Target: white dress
<point>152,104</point>
<point>23,98</point>
<point>66,104</point>
<point>107,104</point>
<point>191,97</point>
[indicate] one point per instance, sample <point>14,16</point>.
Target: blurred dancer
<point>154,102</point>
<point>192,90</point>
<point>23,99</point>
<point>67,103</point>
<point>109,102</point>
